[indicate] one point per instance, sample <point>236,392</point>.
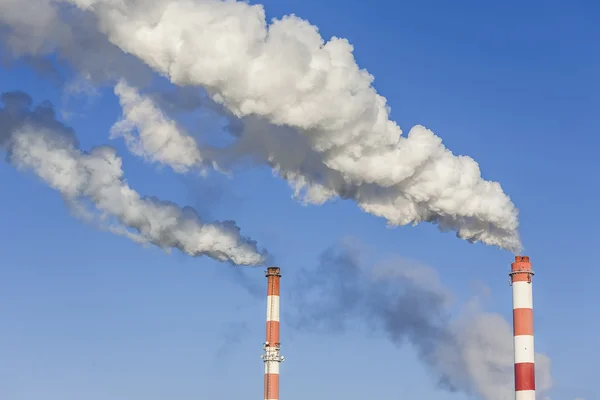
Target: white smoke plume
<point>93,185</point>
<point>159,139</point>
<point>284,77</point>
<point>471,353</point>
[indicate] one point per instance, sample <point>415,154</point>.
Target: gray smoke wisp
<point>284,77</point>
<point>404,300</point>
<point>92,184</point>
<point>36,30</point>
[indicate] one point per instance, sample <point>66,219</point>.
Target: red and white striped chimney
<point>271,356</point>
<point>521,274</point>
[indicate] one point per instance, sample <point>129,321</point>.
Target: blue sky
<point>88,315</point>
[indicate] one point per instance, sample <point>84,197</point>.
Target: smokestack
<point>271,357</point>
<point>521,274</point>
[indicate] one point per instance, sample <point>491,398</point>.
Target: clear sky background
<point>88,315</point>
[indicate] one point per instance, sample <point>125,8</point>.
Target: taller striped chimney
<point>521,274</point>
<point>271,356</point>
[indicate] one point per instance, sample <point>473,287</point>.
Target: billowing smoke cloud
<point>285,82</point>
<point>471,353</point>
<point>92,184</point>
<point>289,153</point>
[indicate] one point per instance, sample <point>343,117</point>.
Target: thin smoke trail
<point>92,184</point>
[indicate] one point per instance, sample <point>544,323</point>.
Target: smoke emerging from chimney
<point>306,108</point>
<point>406,301</point>
<point>92,184</point>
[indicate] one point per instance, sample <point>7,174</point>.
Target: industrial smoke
<point>469,352</point>
<point>294,102</point>
<point>92,184</point>
<point>298,104</point>
<point>305,107</point>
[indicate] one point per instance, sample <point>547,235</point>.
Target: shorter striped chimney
<point>271,356</point>
<point>521,274</point>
